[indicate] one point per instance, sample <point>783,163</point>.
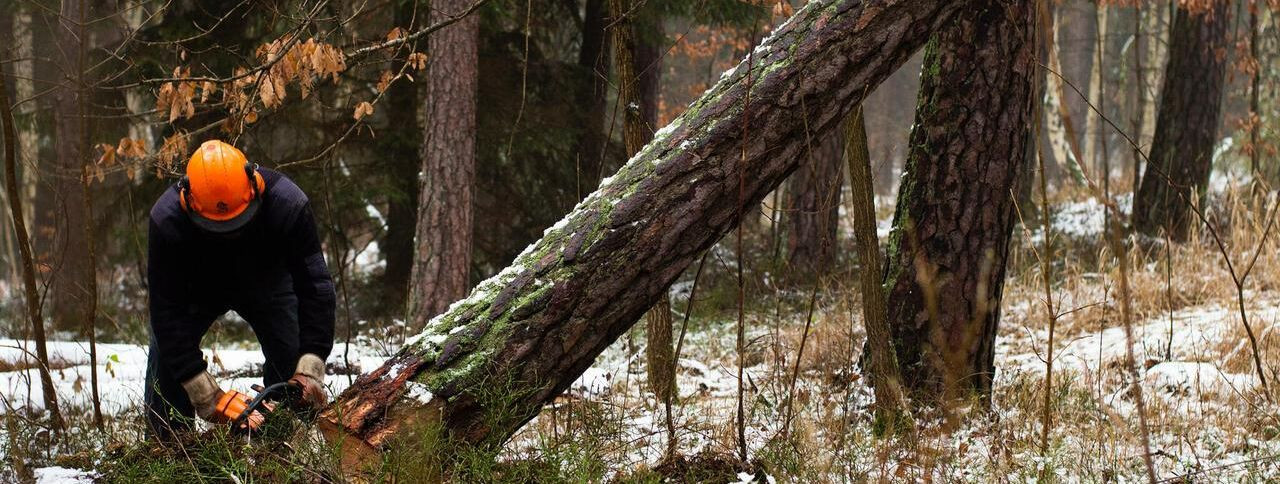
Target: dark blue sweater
<point>192,271</point>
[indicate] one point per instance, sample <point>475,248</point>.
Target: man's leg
<point>275,322</point>
<point>168,409</point>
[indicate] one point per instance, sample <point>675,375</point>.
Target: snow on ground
<point>62,475</point>
<point>617,384</point>
<point>122,372</point>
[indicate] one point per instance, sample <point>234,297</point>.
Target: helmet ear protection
<point>256,185</point>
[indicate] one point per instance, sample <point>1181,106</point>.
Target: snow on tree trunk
<point>488,364</point>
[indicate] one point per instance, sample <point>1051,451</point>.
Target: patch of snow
<point>369,259</point>
<point>122,370</point>
<point>418,391</point>
<point>63,475</point>
<point>375,214</point>
<point>593,383</point>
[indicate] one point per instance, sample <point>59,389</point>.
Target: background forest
<point>671,240</point>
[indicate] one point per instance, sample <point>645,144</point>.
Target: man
<point>232,236</point>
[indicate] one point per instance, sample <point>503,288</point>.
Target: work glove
<point>217,406</point>
<point>310,378</point>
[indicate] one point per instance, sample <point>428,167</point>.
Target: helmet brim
<point>229,225</point>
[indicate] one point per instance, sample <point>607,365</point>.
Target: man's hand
<point>310,377</point>
<point>214,405</point>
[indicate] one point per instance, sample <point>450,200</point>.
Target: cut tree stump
<point>487,365</point>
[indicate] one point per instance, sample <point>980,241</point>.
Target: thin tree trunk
<point>488,365</point>
<point>1255,105</point>
<point>90,291</point>
<point>24,88</point>
<point>636,132</point>
<point>1187,126</point>
<point>402,140</point>
<point>71,276</point>
<point>1077,22</point>
<point>443,256</point>
<point>1058,124</point>
<point>955,211</point>
<point>882,363</point>
<point>32,294</point>
<point>1156,60</point>
<point>1094,155</point>
<point>813,208</point>
<point>1139,94</point>
<point>593,59</point>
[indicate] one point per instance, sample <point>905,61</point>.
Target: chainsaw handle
<point>288,391</point>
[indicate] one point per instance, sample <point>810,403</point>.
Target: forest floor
<point>1208,419</point>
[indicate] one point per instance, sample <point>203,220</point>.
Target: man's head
<point>221,190</point>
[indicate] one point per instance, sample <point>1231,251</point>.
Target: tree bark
<point>443,255</point>
<point>487,366</point>
<point>71,271</point>
<point>1077,30</point>
<point>813,208</point>
<point>955,209</point>
<point>593,58</point>
<point>32,294</point>
<point>1187,124</point>
<point>402,140</point>
<point>882,362</point>
<point>639,101</point>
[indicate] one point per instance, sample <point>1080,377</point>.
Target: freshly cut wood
<point>487,365</point>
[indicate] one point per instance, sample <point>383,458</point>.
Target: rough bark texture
<point>72,276</point>
<point>639,100</point>
<point>882,362</point>
<point>955,207</point>
<point>401,140</point>
<point>487,365</point>
<point>813,208</point>
<point>443,255</point>
<point>1187,123</point>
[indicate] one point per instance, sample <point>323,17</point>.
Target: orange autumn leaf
<point>363,109</point>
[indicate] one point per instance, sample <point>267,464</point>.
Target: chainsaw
<point>285,394</point>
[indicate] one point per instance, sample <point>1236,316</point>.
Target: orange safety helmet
<point>221,190</point>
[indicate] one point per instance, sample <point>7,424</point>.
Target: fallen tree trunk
<point>488,364</point>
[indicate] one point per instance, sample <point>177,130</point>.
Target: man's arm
<point>314,287</point>
<point>177,337</point>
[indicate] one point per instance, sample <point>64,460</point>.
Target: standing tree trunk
<point>1094,155</point>
<point>402,140</point>
<point>593,59</point>
<point>90,288</point>
<point>443,256</point>
<point>882,363</point>
<point>1187,124</point>
<point>32,294</point>
<point>488,365</point>
<point>955,210</point>
<point>813,208</point>
<point>72,274</point>
<point>1077,22</point>
<point>639,117</point>
<point>1255,93</point>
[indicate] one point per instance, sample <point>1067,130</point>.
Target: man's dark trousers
<point>274,321</point>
